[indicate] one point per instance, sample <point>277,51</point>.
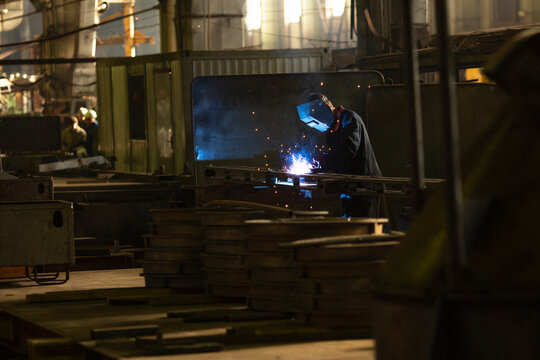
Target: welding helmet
<point>316,114</point>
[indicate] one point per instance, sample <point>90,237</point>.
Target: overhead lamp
<point>254,18</point>
<point>102,7</point>
<point>292,11</point>
<point>335,7</point>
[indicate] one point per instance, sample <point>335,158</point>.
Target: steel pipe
<point>458,258</point>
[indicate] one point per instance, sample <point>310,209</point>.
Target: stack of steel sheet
<point>334,279</point>
<point>273,271</point>
<point>225,236</point>
<point>172,250</point>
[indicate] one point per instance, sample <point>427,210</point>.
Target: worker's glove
<point>319,163</point>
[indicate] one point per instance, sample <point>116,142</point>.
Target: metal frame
<point>46,279</point>
<point>331,183</point>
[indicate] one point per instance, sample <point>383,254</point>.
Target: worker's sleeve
<point>350,138</point>
<point>64,141</point>
<point>344,145</point>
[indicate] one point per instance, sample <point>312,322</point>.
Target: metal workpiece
<point>36,233</point>
<point>328,182</point>
<point>334,277</point>
<point>172,250</point>
<point>274,271</point>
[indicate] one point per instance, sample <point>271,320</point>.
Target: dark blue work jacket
<point>350,149</point>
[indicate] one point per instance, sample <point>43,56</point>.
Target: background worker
<point>350,150</point>
<point>73,138</point>
<point>90,125</point>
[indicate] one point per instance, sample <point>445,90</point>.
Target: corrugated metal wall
<point>205,63</point>
<point>113,102</point>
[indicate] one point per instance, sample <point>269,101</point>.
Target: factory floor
<point>114,303</point>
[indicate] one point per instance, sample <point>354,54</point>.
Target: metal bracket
<point>46,278</point>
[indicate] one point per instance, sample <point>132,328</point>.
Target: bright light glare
<point>299,165</point>
<point>253,18</point>
<point>292,11</point>
<point>335,7</point>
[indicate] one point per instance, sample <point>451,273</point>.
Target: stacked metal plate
<point>225,236</point>
<point>273,271</point>
<point>172,250</point>
<point>334,279</point>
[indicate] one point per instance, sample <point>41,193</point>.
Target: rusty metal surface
<point>228,290</point>
<point>262,244</point>
<point>176,215</point>
<point>283,259</point>
<point>274,274</point>
<point>282,304</point>
<point>172,241</point>
<point>178,229</point>
<point>27,189</point>
<point>222,276</point>
<point>172,254</point>
<point>222,261</point>
<point>191,281</point>
<point>266,260</point>
<point>295,229</point>
<point>225,233</point>
<point>273,289</point>
<point>331,303</point>
<point>225,247</point>
<point>227,217</point>
<point>345,252</point>
<point>344,270</point>
<point>170,267</point>
<point>333,286</point>
<point>337,319</point>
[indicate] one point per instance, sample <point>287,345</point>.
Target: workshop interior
<point>271,179</point>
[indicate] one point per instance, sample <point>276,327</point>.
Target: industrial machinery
<point>33,234</point>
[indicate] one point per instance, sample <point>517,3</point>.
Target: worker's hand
<point>319,163</point>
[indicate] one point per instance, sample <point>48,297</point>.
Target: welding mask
<point>316,114</point>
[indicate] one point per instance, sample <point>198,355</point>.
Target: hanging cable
<point>55,37</point>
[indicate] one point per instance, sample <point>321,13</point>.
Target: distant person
<point>90,125</point>
<point>73,138</point>
<point>349,148</point>
<point>81,113</point>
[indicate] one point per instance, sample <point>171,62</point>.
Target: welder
<point>349,149</point>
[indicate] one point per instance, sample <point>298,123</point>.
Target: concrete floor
<point>74,320</point>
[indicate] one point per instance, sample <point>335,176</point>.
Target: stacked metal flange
<point>172,250</point>
<point>273,271</point>
<point>225,236</point>
<point>334,278</point>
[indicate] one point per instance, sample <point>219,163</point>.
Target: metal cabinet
<point>36,233</point>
